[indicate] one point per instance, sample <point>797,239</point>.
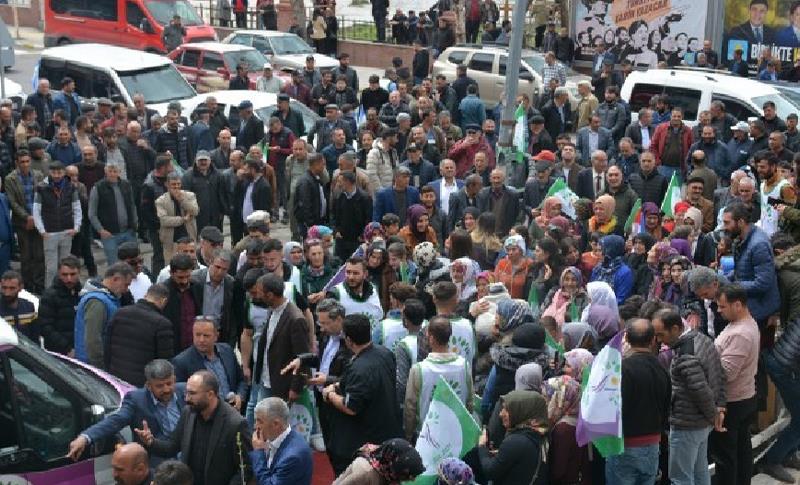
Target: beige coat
<point>165,210</point>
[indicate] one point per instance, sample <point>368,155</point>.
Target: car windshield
<point>536,62</point>
<point>253,59</point>
<point>158,85</point>
<point>793,95</point>
<point>83,379</point>
<point>309,117</point>
<point>289,44</point>
<point>784,104</point>
<point>164,10</point>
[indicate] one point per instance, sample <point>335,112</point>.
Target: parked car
<point>285,51</point>
<point>116,73</point>
<point>209,66</point>
<point>264,104</point>
<point>694,89</point>
<point>46,400</point>
<point>137,24</point>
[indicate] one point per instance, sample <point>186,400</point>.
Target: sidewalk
<point>29,38</point>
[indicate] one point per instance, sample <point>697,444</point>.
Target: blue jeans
<point>257,393</point>
<point>788,384</point>
<point>636,466</point>
<point>688,456</point>
<point>111,244</point>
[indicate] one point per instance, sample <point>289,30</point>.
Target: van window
<point>641,95</point>
<point>190,58</point>
<point>83,79</point>
<point>502,66</point>
<point>54,70</point>
<point>688,99</point>
<point>242,39</point>
<point>736,108</point>
<point>457,57</point>
<point>134,15</point>
<point>8,423</point>
<point>481,62</point>
<point>104,87</point>
<point>213,61</point>
<point>158,84</point>
<point>93,9</point>
<point>48,415</point>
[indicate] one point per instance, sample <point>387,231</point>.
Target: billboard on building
<point>758,25</point>
<point>643,31</point>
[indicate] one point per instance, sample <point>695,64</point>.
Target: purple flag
<point>339,276</point>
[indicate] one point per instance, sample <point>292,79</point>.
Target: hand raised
<point>144,434</point>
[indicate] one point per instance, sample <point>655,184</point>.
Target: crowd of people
<point>413,256</point>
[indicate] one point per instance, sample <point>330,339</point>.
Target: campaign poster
<point>760,28</point>
<point>643,31</point>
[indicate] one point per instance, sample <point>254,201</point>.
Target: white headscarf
<point>467,288</point>
<point>600,293</point>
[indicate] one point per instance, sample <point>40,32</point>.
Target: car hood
<point>298,61</point>
<point>119,385</point>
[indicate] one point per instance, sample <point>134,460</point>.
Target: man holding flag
<point>646,392</point>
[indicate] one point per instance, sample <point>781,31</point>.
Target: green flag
<point>520,133</point>
<point>565,195</point>
<point>551,342</point>
<point>264,150</point>
<point>672,197</point>
<point>301,414</point>
<point>633,215</point>
<point>448,430</point>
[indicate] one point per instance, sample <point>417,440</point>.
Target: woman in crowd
<point>702,246</point>
<point>293,254</point>
<point>600,293</point>
<point>551,208</point>
<point>637,262</point>
<point>604,221</point>
<point>566,302</point>
<point>576,361</point>
<point>513,270</point>
<point>528,377</point>
<point>657,259</point>
<point>462,273</point>
<point>613,269</point>
<point>459,245</point>
<point>325,235</point>
<point>316,273</point>
<point>390,463</point>
<point>546,271</point>
<point>519,459</point>
<point>417,229</point>
<point>568,463</point>
<point>485,243</point>
<point>379,272</point>
<point>452,471</point>
<point>676,291</point>
<point>470,219</point>
<point>605,321</point>
<point>579,335</point>
<point>593,256</point>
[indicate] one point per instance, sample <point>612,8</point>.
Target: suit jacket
<point>137,406</point>
<point>605,142</point>
<point>289,339</point>
<point>607,55</point>
<point>586,185</point>
<point>634,132</point>
<point>249,134</point>
<point>572,179</point>
<point>291,465</point>
<point>229,437</point>
<point>232,305</point>
<point>458,203</point>
<point>384,201</point>
<point>436,185</point>
<point>512,208</point>
<point>552,119</point>
<point>191,360</point>
<point>745,32</point>
<point>339,363</point>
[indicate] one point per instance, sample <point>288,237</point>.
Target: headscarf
<point>604,320</point>
<point>682,246</point>
<point>578,359</point>
<point>425,254</point>
<point>513,313</point>
<point>413,214</point>
<point>395,460</point>
<point>467,288</point>
<point>607,227</point>
<point>583,209</point>
<point>516,240</point>
<point>529,336</point>
<point>575,332</point>
<point>452,471</point>
<point>649,209</point>
<point>663,251</point>
<point>600,293</point>
<point>563,396</point>
<point>560,222</point>
<point>287,251</point>
<point>526,409</point>
<point>528,377</point>
<point>696,216</point>
<point>647,239</point>
<point>544,218</point>
<point>485,275</point>
<point>317,232</point>
<point>574,272</point>
<point>370,231</point>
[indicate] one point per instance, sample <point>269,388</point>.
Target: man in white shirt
<point>447,184</point>
<point>267,83</point>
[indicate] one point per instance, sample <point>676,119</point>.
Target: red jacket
<point>464,155</point>
<point>660,138</point>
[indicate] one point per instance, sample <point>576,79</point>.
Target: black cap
<point>212,234</point>
<point>473,127</point>
<point>283,97</point>
<point>245,104</point>
<point>412,147</point>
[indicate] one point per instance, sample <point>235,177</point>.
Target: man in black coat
<point>352,211</point>
<point>57,307</point>
<point>290,118</point>
<point>558,113</point>
<point>363,406</point>
<point>260,195</point>
<point>421,64</point>
<point>507,197</point>
<point>206,182</point>
<point>42,102</point>
<point>181,306</point>
<point>172,137</point>
<point>211,436</point>
<point>310,206</point>
<point>230,308</point>
<point>251,129</point>
<point>137,334</point>
<point>465,197</point>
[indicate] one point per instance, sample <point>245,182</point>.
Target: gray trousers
<point>57,245</point>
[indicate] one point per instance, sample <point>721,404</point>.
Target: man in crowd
<point>112,211</point>
<point>281,455</point>
<point>205,182</point>
<point>182,304</point>
<point>671,143</point>
<point>18,312</point>
<point>220,298</point>
<point>57,308</point>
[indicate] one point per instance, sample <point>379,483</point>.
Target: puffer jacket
<point>787,348</point>
<point>788,266</point>
<point>176,142</point>
<point>755,272</point>
<point>381,164</point>
<point>698,382</point>
<point>57,316</point>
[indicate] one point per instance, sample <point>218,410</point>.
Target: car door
<point>91,20</point>
<point>482,69</point>
<point>212,75</point>
<point>738,109</point>
<point>188,63</point>
<point>137,27</point>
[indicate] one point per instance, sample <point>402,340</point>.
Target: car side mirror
<point>526,76</point>
<point>146,27</point>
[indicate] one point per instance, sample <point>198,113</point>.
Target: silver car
<point>284,50</point>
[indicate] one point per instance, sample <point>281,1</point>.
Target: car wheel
<point>64,41</point>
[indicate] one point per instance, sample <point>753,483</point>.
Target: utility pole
<point>505,141</point>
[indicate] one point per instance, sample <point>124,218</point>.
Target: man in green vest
<point>391,329</point>
<point>424,375</point>
<point>462,338</point>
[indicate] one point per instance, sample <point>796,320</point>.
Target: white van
<point>116,73</point>
<point>695,89</point>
